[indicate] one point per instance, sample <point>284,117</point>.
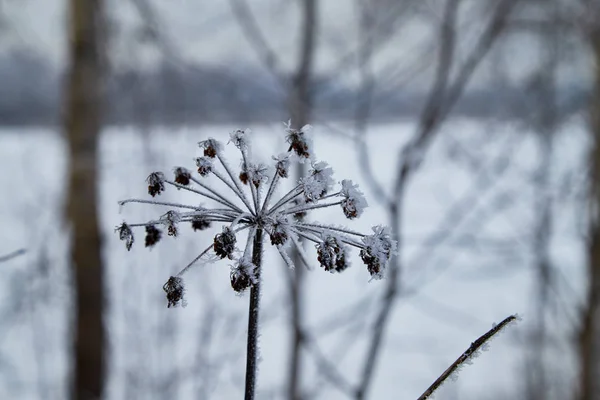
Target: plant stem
<point>253,314</point>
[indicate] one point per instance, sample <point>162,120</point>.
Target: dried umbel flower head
<point>153,235</point>
<point>170,220</point>
<point>282,165</point>
<point>243,275</point>
<point>155,183</point>
<point>240,138</point>
<point>224,243</point>
<point>126,235</point>
<point>175,291</point>
<point>298,140</point>
<point>354,201</point>
<point>182,176</point>
<point>318,182</point>
<point>211,147</point>
<point>331,254</point>
<point>254,208</point>
<point>200,222</point>
<point>280,230</point>
<point>204,165</point>
<point>379,247</point>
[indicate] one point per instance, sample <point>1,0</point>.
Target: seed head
<point>354,201</point>
<point>280,231</point>
<point>200,222</point>
<point>318,183</point>
<point>243,275</point>
<point>170,220</point>
<point>239,138</point>
<point>156,183</point>
<point>175,291</point>
<point>204,165</point>
<point>182,176</point>
<point>153,235</point>
<point>224,243</point>
<point>282,165</point>
<point>377,251</point>
<point>126,235</point>
<point>211,147</point>
<point>331,254</point>
<point>299,143</point>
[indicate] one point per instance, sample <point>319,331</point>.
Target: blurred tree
<point>82,125</point>
<point>589,354</point>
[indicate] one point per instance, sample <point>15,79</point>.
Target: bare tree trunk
<point>82,125</point>
<point>300,108</point>
<point>545,119</point>
<point>590,327</point>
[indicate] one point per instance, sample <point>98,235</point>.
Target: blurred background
<point>472,126</point>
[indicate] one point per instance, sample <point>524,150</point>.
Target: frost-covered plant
<point>251,206</point>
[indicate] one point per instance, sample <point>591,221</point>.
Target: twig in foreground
<point>12,255</point>
<point>471,353</point>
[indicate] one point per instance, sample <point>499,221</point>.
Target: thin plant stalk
<point>469,354</point>
<point>253,315</point>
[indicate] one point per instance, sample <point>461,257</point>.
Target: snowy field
<point>478,180</point>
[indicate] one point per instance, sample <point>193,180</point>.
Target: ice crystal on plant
<point>299,141</point>
<point>242,275</point>
<point>318,182</point>
<point>379,247</point>
<point>156,183</point>
<point>204,165</point>
<point>331,254</point>
<point>182,176</point>
<point>256,209</point>
<point>282,165</point>
<point>126,235</point>
<point>354,201</point>
<point>240,138</point>
<point>224,245</point>
<point>175,291</point>
<point>211,147</point>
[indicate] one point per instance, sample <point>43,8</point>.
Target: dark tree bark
<point>82,125</point>
<point>589,370</point>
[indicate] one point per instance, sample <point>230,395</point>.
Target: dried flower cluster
<point>250,206</point>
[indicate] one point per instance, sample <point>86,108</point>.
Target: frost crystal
<point>126,235</point>
<point>379,247</point>
<point>224,243</point>
<point>204,165</point>
<point>299,142</point>
<point>211,147</point>
<point>240,138</point>
<point>318,183</point>
<point>175,291</point>
<point>331,254</point>
<point>182,176</point>
<point>280,230</point>
<point>243,275</point>
<point>354,201</point>
<point>170,220</point>
<point>282,165</point>
<point>257,174</point>
<point>156,183</point>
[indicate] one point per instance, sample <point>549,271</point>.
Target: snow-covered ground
<point>478,181</point>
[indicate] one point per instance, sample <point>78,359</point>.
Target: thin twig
<point>468,354</point>
<point>12,255</point>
